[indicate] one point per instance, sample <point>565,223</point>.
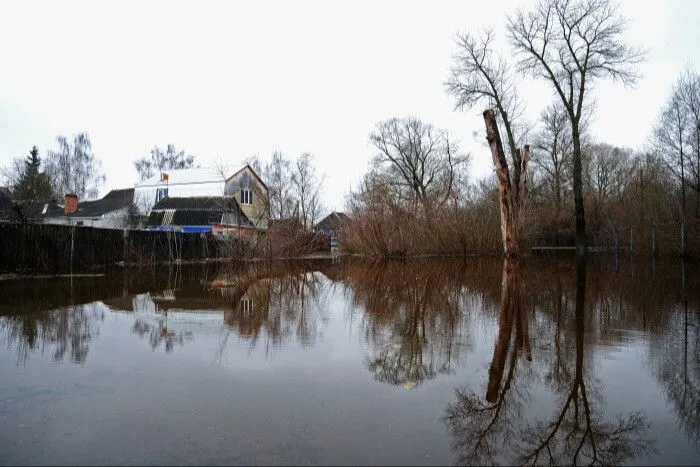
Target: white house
<point>244,185</point>
<point>180,183</point>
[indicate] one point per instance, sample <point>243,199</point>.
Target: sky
<point>232,79</point>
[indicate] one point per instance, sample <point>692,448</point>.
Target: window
<point>246,196</point>
<point>161,193</point>
<point>247,305</point>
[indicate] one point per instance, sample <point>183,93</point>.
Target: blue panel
<point>196,228</point>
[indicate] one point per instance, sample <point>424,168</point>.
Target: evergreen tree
<point>33,184</point>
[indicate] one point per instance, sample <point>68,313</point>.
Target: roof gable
<point>253,172</point>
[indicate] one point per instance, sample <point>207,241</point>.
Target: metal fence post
<point>617,252</point>
<point>631,240</point>
<point>682,240</point>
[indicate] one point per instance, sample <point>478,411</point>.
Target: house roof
<point>112,201</point>
<point>257,177</point>
<point>185,217</point>
<point>184,176</point>
<point>202,210</point>
<point>331,221</point>
<point>196,202</point>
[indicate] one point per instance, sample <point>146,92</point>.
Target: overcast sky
<point>226,80</point>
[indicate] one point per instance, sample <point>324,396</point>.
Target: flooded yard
<point>320,362</point>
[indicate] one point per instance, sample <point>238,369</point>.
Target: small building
<point>113,211</point>
<point>198,214</point>
<point>331,224</point>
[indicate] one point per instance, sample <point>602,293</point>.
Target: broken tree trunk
<point>511,194</point>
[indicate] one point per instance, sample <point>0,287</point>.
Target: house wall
<point>258,212</point>
<point>118,219</point>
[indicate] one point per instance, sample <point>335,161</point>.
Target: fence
<point>669,239</point>
<point>63,249</point>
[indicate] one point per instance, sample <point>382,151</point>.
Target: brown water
<point>424,362</point>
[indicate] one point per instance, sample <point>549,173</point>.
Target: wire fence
<point>673,239</point>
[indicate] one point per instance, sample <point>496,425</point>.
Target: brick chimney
<point>71,203</point>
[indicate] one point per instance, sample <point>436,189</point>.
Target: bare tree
<point>571,44</point>
<point>306,188</point>
<point>607,169</point>
<point>670,134</point>
<point>552,158</point>
<point>159,160</point>
<point>479,75</point>
<point>74,169</point>
<point>691,101</point>
<point>12,174</point>
<point>277,176</point>
<point>419,162</point>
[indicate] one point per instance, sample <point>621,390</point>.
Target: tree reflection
<point>411,318</point>
<point>498,429</point>
<point>481,428</point>
<point>675,358</point>
<point>578,434</point>
<point>67,332</point>
<point>277,305</point>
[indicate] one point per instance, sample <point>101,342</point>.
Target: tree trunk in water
<point>511,196</point>
<point>512,314</point>
<point>579,210</point>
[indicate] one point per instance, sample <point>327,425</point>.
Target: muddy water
<point>423,362</point>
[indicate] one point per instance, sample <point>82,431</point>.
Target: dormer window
<point>246,196</point>
<point>161,193</point>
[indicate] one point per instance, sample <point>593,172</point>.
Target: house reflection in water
<point>248,308</point>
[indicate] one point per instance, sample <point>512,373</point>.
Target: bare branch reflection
<point>482,428</point>
<point>67,332</point>
<point>411,318</point>
<point>494,432</point>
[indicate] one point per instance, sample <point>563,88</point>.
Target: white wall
<point>113,220</point>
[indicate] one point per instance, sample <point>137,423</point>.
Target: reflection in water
<point>412,318</point>
<point>420,322</point>
<point>675,359</point>
<point>277,307</point>
<point>66,332</point>
<point>496,430</point>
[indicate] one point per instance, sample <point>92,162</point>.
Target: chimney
<point>71,203</point>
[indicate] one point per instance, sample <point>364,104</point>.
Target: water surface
<point>423,362</point>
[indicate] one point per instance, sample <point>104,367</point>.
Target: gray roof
<point>331,221</point>
<point>202,210</point>
<point>112,201</point>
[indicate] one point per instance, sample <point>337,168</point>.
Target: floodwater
<point>422,362</point>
